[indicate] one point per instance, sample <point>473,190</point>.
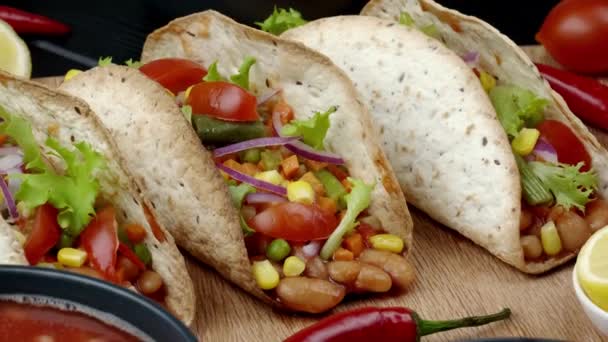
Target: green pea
<point>143,253</point>
<point>278,250</point>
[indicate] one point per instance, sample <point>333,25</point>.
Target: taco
<point>485,148</point>
<point>69,204</point>
<point>305,193</point>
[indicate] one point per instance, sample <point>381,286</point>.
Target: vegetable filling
<point>60,218</point>
<point>307,231</point>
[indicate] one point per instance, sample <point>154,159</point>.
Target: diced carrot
<point>314,165</point>
<point>250,169</point>
<point>284,110</point>
<point>222,159</point>
<point>366,232</point>
<point>347,184</point>
<point>342,254</point>
<point>135,232</point>
<point>354,243</point>
<point>3,138</point>
<point>233,164</point>
<point>327,204</point>
<point>317,186</point>
<point>290,166</point>
<point>337,171</point>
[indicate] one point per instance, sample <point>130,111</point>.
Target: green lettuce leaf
<point>517,107</point>
<point>431,30</point>
<point>312,130</point>
<point>569,185</point>
<point>21,131</point>
<point>281,20</point>
<point>104,61</point>
<point>238,193</point>
<point>133,63</point>
<point>212,74</point>
<point>242,78</point>
<point>406,19</point>
<point>357,200</point>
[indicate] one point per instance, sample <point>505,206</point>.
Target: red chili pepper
<point>384,324</point>
<point>25,22</point>
<point>586,97</point>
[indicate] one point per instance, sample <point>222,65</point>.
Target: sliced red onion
<point>471,58</point>
<point>8,150</point>
<point>10,161</point>
<point>259,184</point>
<point>308,152</point>
<point>545,151</point>
<point>311,249</point>
<point>8,198</point>
<point>277,125</point>
<point>262,197</point>
<point>265,97</point>
<point>253,143</point>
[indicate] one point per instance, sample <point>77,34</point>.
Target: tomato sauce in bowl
<point>38,319</point>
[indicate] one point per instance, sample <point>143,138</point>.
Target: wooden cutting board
<point>455,278</point>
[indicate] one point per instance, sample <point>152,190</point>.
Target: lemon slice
<point>592,268</point>
<point>14,54</point>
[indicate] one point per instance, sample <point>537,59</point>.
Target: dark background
<point>118,28</point>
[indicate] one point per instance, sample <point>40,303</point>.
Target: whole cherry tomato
<point>576,34</point>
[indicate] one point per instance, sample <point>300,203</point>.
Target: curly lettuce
<point>281,20</point>
<point>312,130</point>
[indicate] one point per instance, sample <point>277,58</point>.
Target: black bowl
<point>128,306</point>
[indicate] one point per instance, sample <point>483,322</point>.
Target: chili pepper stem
<point>430,327</point>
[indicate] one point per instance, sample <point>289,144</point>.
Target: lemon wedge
<point>14,54</point>
<point>592,268</point>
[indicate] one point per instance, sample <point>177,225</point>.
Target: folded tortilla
<point>68,119</point>
<point>440,130</point>
<point>178,174</point>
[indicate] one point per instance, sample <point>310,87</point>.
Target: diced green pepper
<point>534,190</point>
<point>65,241</point>
<point>214,131</point>
<point>250,156</point>
<point>123,237</point>
<point>143,253</point>
<point>333,188</point>
<point>271,159</point>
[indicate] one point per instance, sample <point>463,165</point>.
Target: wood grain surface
<point>455,278</point>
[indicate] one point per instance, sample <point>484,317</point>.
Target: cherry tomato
<point>224,101</point>
<point>175,74</point>
<point>44,235</point>
<point>295,222</point>
<point>570,150</point>
<point>100,240</point>
<point>576,34</point>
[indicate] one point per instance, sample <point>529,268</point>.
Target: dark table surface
<point>118,28</point>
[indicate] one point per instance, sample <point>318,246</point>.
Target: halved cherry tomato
<point>576,34</point>
<point>175,74</point>
<point>295,222</point>
<point>100,240</point>
<point>223,100</point>
<point>44,235</point>
<point>570,150</point>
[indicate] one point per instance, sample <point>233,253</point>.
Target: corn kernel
<point>71,257</point>
<point>488,82</point>
<point>524,142</point>
<point>550,240</point>
<point>387,242</point>
<point>293,266</point>
<point>301,192</point>
<point>187,93</point>
<point>272,176</point>
<point>265,275</point>
<point>71,73</point>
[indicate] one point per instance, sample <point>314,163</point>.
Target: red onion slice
<point>311,249</point>
<point>10,161</point>
<point>265,97</point>
<point>471,58</point>
<point>259,184</point>
<point>308,152</point>
<point>7,150</point>
<point>8,198</point>
<point>545,151</point>
<point>262,197</point>
<point>253,143</point>
<point>277,125</point>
